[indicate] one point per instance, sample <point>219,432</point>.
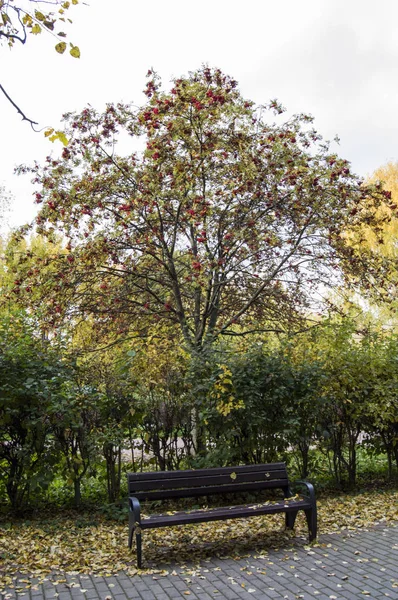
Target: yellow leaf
<point>233,476</point>
<point>48,132</point>
<point>75,52</point>
<point>75,2</point>
<point>59,135</point>
<point>39,16</point>
<point>61,47</point>
<point>62,138</point>
<point>36,29</point>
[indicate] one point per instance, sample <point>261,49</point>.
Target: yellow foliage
<point>388,175</point>
<point>56,135</point>
<point>224,392</point>
<point>159,354</point>
<point>383,241</point>
<point>27,19</point>
<point>226,407</point>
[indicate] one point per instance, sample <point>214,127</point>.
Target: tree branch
<point>24,117</point>
<point>14,36</point>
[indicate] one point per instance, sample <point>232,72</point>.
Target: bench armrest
<point>310,492</point>
<point>135,510</point>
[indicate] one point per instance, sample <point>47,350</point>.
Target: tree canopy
<point>215,218</point>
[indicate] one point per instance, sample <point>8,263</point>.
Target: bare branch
<point>24,117</point>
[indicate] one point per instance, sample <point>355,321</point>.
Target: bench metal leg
<point>139,550</point>
<point>311,517</point>
<point>138,543</point>
<point>131,533</point>
<point>291,519</point>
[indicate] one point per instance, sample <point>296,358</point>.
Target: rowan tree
<point>210,216</point>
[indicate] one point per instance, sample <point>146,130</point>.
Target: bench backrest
<point>202,482</point>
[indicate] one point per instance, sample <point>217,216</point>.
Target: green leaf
<point>75,52</point>
<point>61,47</point>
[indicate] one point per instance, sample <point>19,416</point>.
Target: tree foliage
<point>5,203</point>
<point>386,244</point>
<point>383,242</point>
<point>32,17</point>
<point>31,375</point>
<point>220,221</point>
<point>25,18</point>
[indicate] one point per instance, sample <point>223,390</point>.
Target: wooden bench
<point>162,485</point>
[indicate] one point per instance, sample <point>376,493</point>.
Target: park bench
<point>166,485</point>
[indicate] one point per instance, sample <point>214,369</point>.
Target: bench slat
<point>278,477</point>
<point>213,471</point>
<point>235,488</point>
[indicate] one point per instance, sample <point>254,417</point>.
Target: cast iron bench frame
<point>164,485</point>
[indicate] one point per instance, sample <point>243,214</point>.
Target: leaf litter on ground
<point>52,547</point>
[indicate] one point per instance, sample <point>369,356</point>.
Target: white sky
<point>336,59</point>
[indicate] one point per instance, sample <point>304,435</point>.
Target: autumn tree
<point>386,244</point>
<point>19,21</point>
<point>383,241</point>
<point>207,215</point>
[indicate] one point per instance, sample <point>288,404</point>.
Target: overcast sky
<point>336,59</point>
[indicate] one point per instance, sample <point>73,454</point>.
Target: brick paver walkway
<point>361,564</point>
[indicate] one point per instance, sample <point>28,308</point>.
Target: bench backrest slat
<point>202,482</point>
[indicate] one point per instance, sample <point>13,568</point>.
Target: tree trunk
<point>77,491</point>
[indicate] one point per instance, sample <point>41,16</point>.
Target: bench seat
<point>222,513</point>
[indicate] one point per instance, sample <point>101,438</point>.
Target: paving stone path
<point>347,566</point>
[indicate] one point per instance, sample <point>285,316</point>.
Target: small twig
<point>24,117</point>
